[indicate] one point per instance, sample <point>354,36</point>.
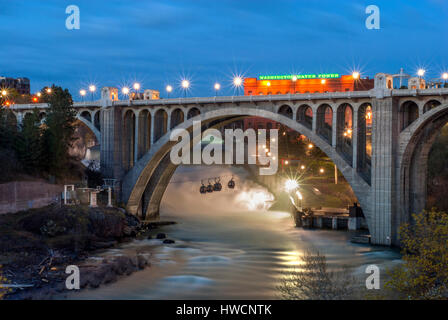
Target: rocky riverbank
<point>37,245</point>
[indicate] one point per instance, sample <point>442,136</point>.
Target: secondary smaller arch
<point>286,111</point>
<point>193,112</point>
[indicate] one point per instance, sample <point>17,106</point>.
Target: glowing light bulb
<point>421,72</point>
<point>169,88</point>
<point>82,92</point>
<point>92,88</point>
<point>185,84</point>
<point>217,86</point>
<point>137,86</point>
<point>125,90</point>
<point>355,75</point>
<point>291,184</point>
<point>237,81</point>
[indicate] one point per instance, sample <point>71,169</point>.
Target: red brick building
<point>300,84</point>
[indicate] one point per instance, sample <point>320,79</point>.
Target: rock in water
<point>168,241</point>
<point>161,236</point>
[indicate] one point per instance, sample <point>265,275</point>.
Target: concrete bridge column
<point>168,121</point>
<point>136,137</point>
<point>384,144</point>
<point>334,129</point>
<point>314,123</point>
<point>111,143</point>
<point>152,129</point>
<point>355,138</point>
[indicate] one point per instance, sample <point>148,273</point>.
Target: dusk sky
<point>158,42</point>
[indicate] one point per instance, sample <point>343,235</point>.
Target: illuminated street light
<point>48,90</point>
<point>286,162</point>
<point>169,89</point>
<point>294,79</point>
<point>185,84</point>
<point>92,90</point>
<point>136,86</point>
<point>291,185</point>
<point>421,72</point>
<point>321,170</point>
<point>4,93</point>
<point>445,76</point>
<point>82,93</point>
<point>38,94</point>
<point>217,87</point>
<point>125,91</point>
<point>302,167</point>
<point>355,75</point>
<point>310,146</point>
<point>237,81</point>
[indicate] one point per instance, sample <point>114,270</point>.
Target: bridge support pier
<point>111,146</point>
<point>383,194</point>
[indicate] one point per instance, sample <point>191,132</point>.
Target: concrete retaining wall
<point>22,195</point>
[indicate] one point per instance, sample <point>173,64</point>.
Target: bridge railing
<point>248,99</point>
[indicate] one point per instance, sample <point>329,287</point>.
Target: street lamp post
<point>92,89</point>
<point>136,87</point>
<point>169,89</point>
<point>217,87</point>
<point>185,85</point>
<point>82,93</point>
<point>237,82</point>
<point>445,77</point>
<point>125,91</point>
<point>294,80</point>
<point>421,73</point>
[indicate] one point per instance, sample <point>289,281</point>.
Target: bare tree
<point>313,281</point>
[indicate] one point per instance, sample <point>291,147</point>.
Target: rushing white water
<point>228,246</point>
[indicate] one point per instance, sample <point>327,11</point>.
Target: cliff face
<point>84,139</point>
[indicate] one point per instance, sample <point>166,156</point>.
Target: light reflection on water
<point>228,246</point>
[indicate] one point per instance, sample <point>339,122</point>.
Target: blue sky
<point>158,42</point>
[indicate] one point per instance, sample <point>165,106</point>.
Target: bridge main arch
<point>156,161</point>
<point>415,143</point>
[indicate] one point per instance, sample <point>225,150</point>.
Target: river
<point>228,245</point>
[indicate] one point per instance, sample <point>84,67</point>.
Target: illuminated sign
<point>301,76</point>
